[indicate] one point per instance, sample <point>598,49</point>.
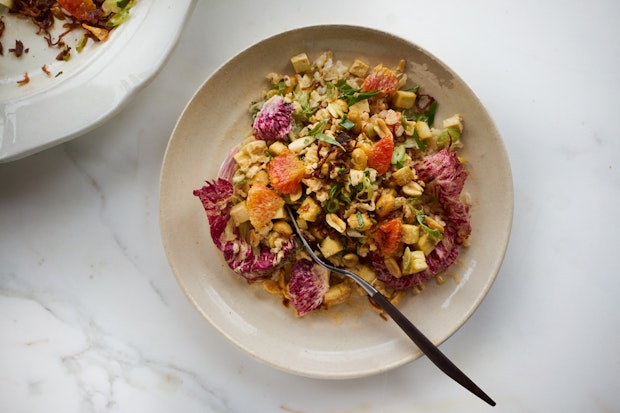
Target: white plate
<point>347,340</point>
<point>85,91</point>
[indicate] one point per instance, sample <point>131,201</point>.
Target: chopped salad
<point>376,184</point>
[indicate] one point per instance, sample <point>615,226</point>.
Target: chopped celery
<point>122,15</point>
<point>346,123</point>
<point>448,137</point>
<point>80,45</point>
<point>333,205</point>
<point>360,220</point>
<point>432,232</point>
<point>280,87</point>
<point>111,6</point>
<point>399,155</point>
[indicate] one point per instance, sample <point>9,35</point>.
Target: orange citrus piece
<point>381,78</point>
<point>388,236</point>
<point>83,10</point>
<point>380,156</point>
<point>286,172</point>
<point>262,203</point>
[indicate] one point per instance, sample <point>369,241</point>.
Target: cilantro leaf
<point>326,138</point>
<point>351,95</point>
<point>432,232</point>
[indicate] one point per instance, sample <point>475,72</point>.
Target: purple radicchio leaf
<point>216,198</point>
<point>275,119</point>
<point>308,285</point>
<point>445,177</point>
<point>438,260</point>
<point>227,168</point>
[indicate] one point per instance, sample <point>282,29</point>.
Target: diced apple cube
<point>358,68</point>
<point>309,210</point>
<point>404,99</point>
<point>330,246</point>
<point>301,63</point>
<point>239,213</point>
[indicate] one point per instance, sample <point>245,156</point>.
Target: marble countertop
<point>92,319</point>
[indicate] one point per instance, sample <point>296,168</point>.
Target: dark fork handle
<point>429,349</point>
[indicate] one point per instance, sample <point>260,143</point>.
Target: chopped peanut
<point>385,204</point>
<point>358,68</point>
<point>403,176</point>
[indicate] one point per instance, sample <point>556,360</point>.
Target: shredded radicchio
<point>438,260</point>
<point>444,176</point>
<point>239,255</point>
<point>308,285</point>
<point>275,119</point>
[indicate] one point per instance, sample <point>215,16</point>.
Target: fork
<point>423,343</point>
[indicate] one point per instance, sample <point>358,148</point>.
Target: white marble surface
<point>91,317</point>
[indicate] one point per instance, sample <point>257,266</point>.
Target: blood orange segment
<point>83,10</point>
<point>262,203</point>
<point>380,155</point>
<point>381,78</point>
<point>388,236</point>
<point>286,172</point>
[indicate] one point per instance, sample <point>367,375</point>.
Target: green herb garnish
<point>351,95</point>
<point>331,90</point>
<point>317,132</point>
<point>428,116</point>
<point>318,128</point>
<point>432,232</point>
<point>419,141</point>
<point>360,220</point>
<point>326,138</point>
<point>333,191</point>
<point>430,113</point>
<point>280,87</point>
<point>346,123</point>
